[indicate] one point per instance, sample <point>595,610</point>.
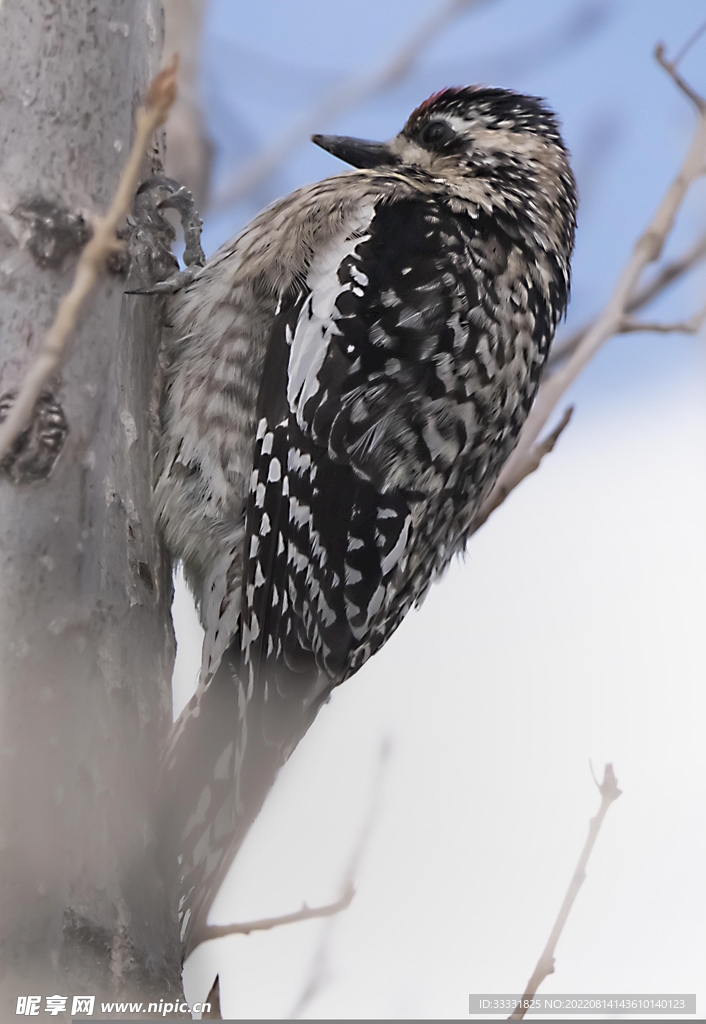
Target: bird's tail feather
<point>232,741</point>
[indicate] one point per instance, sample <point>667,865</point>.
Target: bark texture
<point>85,587</point>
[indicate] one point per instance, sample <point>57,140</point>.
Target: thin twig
<point>647,249</point>
<point>669,273</point>
<point>264,924</point>
<point>306,913</point>
<point>690,326</point>
<point>688,44</point>
<point>351,94</point>
<point>160,96</point>
<point>545,965</point>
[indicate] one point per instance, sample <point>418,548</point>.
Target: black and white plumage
<point>345,381</point>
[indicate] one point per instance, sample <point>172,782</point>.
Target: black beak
<point>356,152</point>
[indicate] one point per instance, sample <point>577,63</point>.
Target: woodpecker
<point>344,382</point>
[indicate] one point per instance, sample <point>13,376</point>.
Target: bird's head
<point>491,147</point>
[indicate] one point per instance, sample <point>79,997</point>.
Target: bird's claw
<point>152,237</point>
<point>168,287</point>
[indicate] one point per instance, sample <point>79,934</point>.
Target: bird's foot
<point>153,268</point>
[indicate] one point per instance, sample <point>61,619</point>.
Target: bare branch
<point>545,965</point>
<point>160,96</point>
<point>690,326</point>
<point>671,68</point>
<point>646,250</point>
<point>219,931</point>
<point>669,273</point>
<point>499,494</point>
<point>350,94</point>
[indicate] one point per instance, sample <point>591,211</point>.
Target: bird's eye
<point>436,133</point>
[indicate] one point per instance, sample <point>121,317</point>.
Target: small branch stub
<point>55,233</point>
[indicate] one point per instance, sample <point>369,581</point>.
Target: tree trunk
<point>85,631</point>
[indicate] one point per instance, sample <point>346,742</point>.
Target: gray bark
<point>85,587</point>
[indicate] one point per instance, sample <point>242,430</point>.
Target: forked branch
<point>668,274</point>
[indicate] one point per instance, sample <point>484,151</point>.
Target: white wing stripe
<point>316,324</point>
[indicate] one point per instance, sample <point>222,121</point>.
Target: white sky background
<point>572,632</point>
